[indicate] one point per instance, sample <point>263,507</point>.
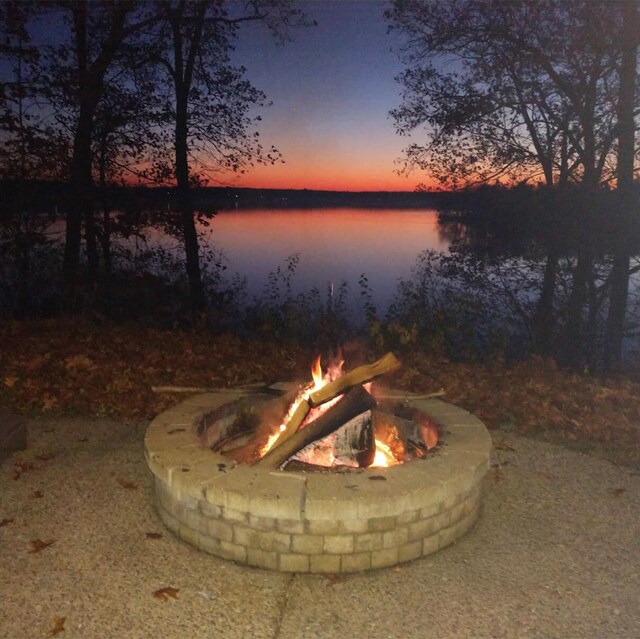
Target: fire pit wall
<point>316,522</point>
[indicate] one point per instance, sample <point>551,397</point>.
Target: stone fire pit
<point>316,522</point>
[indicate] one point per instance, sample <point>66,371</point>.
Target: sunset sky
<point>332,89</point>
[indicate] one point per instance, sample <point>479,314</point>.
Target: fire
<point>384,456</point>
<point>319,380</point>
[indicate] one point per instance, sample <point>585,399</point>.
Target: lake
<point>335,245</point>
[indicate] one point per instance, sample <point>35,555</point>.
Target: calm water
<point>335,245</point>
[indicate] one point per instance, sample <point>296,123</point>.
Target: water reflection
<point>335,245</point>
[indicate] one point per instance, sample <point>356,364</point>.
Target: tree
<point>619,278</point>
<point>512,90</point>
<point>209,103</point>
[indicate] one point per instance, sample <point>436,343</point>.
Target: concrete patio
<point>555,553</point>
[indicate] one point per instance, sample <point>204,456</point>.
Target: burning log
<point>360,375</point>
<point>333,389</point>
<point>409,429</point>
<point>355,442</point>
<point>355,401</point>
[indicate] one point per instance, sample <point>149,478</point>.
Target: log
<point>429,428</point>
<point>410,431</point>
<point>356,401</point>
<point>357,376</point>
<point>355,442</point>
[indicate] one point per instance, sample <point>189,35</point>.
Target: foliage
<point>509,90</point>
<point>307,317</point>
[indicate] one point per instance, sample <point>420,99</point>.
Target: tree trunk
<point>90,83</point>
<point>619,277</point>
<point>183,73</point>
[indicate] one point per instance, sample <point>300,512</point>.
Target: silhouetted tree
<point>509,90</point>
<point>619,278</point>
<point>209,103</point>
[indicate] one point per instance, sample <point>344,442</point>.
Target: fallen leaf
<point>334,578</point>
<point>10,381</point>
<point>46,456</point>
<point>37,545</point>
<point>49,402</point>
<point>58,626</point>
<point>79,361</point>
<point>616,492</point>
<point>37,494</point>
<point>21,466</point>
<point>83,439</point>
<point>5,521</point>
<point>127,485</point>
<point>166,592</point>
<point>496,475</point>
<point>154,535</point>
<point>504,446</point>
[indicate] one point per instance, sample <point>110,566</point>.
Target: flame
<point>384,457</point>
<point>319,380</point>
<point>316,374</point>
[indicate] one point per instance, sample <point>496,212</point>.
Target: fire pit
<point>323,521</point>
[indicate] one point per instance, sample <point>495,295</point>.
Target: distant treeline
<point>40,194</point>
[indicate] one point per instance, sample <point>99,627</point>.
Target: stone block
<point>338,544</point>
<point>274,541</point>
<point>367,542</point>
<point>431,544</point>
<point>262,523</point>
<point>383,558</point>
<point>354,525</point>
<point>262,558</point>
<point>427,527</point>
<point>168,520</point>
<point>210,545</point>
<point>290,562</point>
<point>324,563</point>
<point>189,534</point>
<point>396,537</point>
<point>234,552</point>
<point>382,524</point>
<point>410,551</point>
<point>278,495</point>
<point>244,536</point>
<point>323,527</point>
<point>235,516</point>
<point>307,544</point>
<point>291,526</point>
<point>219,529</point>
<point>355,562</point>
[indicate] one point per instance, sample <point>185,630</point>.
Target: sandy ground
<point>556,553</point>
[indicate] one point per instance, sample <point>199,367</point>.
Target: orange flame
<point>384,456</point>
<point>319,380</point>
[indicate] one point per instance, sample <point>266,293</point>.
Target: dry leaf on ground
<point>127,485</point>
<point>154,535</point>
<point>5,521</point>
<point>166,593</point>
<point>58,626</point>
<point>37,545</point>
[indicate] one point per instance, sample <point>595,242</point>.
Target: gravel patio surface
<point>556,553</point>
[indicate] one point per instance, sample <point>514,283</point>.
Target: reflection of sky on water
<point>335,245</point>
